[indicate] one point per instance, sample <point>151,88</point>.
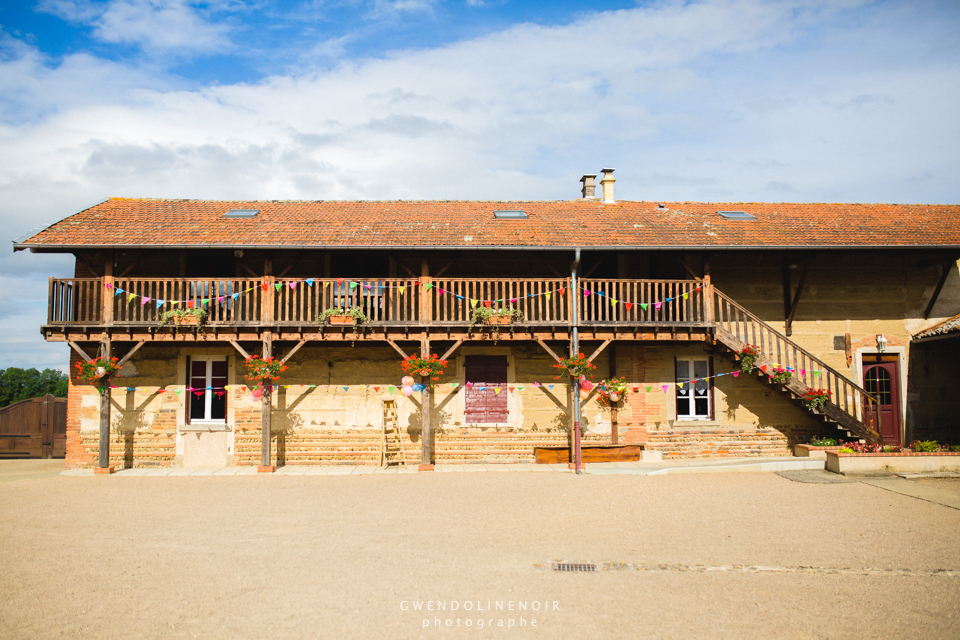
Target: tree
<point>23,384</point>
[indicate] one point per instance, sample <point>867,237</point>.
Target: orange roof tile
<point>578,223</point>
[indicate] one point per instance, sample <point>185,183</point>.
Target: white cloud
<point>716,100</point>
<point>159,26</point>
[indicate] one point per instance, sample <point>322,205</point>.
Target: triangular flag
<point>513,300</point>
<point>496,390</point>
<point>686,296</point>
<point>803,372</point>
<point>309,281</point>
<point>235,296</point>
<point>665,387</point>
<point>117,292</point>
<point>190,304</point>
<point>367,287</point>
<point>536,384</point>
<point>469,384</point>
<point>391,388</point>
<point>520,387</point>
<point>220,299</point>
<point>613,302</point>
<point>161,390</point>
<point>547,295</point>
<point>400,289</point>
<point>131,297</point>
<point>293,285</point>
<point>487,303</point>
<point>144,301</point>
<point>326,284</point>
<point>160,303</point>
<point>339,280</point>
<point>763,368</point>
<point>658,305</point>
<point>551,387</point>
<point>376,388</point>
<point>346,388</point>
<point>649,387</point>
<point>441,291</point>
<point>643,306</point>
<point>428,286</point>
<point>198,393</point>
<point>177,392</point>
<point>109,285</point>
<point>278,285</point>
<point>510,389</point>
<point>736,373</point>
<point>473,303</point>
<point>628,305</point>
<point>562,291</point>
<point>353,285</point>
<point>586,293</point>
<point>265,286</point>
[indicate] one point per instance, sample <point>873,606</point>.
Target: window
<point>693,400</point>
<point>207,378</point>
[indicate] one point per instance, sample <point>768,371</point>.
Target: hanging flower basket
<point>97,369</point>
<point>613,391</point>
<point>576,367</point>
<point>260,371</point>
<point>816,398</point>
<point>430,366</point>
<point>781,375</point>
<point>748,355</point>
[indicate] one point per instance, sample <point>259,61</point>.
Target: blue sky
<point>709,100</point>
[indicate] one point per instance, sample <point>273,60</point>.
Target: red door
<point>486,397</point>
<point>882,380</point>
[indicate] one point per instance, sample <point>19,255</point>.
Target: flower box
<point>499,320</point>
<point>343,320</point>
<point>905,462</point>
<point>812,452</point>
<point>188,319</point>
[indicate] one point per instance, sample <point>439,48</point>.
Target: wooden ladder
<point>391,439</point>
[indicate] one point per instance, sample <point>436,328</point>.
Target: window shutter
<point>187,394</point>
<point>710,392</point>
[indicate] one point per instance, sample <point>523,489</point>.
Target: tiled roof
<point>579,223</point>
<point>950,325</point>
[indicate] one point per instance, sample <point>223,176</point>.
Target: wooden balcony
<point>246,308</point>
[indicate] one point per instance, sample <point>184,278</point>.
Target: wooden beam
<point>79,350</point>
<point>548,349</point>
<point>133,265</point>
<point>687,269</point>
<point>291,265</point>
<point>130,353</point>
<point>796,298</point>
<point>236,345</point>
<point>947,267</point>
<point>451,349</point>
<point>395,346</point>
<point>592,269</point>
<point>552,269</point>
<point>445,267</point>
<point>403,266</point>
<point>83,260</point>
<point>248,270</point>
<point>293,351</point>
<point>599,350</point>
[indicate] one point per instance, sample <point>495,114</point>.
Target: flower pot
<point>499,320</point>
<point>101,372</point>
<point>614,396</point>
<point>343,320</point>
<point>188,319</point>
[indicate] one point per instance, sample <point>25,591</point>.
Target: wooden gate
<point>35,428</point>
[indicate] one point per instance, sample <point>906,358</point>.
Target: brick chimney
<point>607,184</point>
<point>589,188</point>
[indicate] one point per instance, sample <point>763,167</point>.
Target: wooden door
<point>881,378</point>
<point>486,397</point>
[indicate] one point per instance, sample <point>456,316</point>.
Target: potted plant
<point>261,370</point>
<point>816,398</point>
<point>428,366</point>
<point>612,391</point>
<point>97,369</point>
<point>575,367</point>
<point>781,375</point>
<point>343,316</point>
<point>180,317</point>
<point>748,356</point>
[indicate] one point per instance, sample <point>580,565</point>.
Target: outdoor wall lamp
<point>881,343</point>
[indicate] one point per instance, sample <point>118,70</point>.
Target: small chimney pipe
<point>607,184</point>
<point>589,188</point>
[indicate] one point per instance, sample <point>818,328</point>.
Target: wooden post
<point>106,312</point>
<point>426,413</point>
<point>707,292</point>
<point>103,463</point>
<point>266,412</point>
<point>426,297</point>
<point>614,427</point>
<point>266,302</point>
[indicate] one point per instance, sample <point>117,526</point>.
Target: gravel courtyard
<point>731,555</point>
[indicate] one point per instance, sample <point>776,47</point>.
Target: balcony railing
<point>384,301</point>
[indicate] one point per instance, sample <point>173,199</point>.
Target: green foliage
<point>846,450</point>
<point>23,384</point>
<point>824,442</point>
<point>356,313</point>
<point>925,446</point>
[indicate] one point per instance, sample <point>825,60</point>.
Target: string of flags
<point>453,386</point>
<point>351,285</point>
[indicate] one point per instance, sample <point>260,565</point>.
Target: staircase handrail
<point>802,363</point>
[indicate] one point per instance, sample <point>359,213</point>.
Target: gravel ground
<point>700,556</point>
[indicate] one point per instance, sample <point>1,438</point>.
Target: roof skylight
<point>737,215</point>
<point>515,214</point>
<point>241,213</point>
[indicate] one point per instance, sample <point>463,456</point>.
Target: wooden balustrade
<point>539,300</point>
<point>777,350</point>
<point>135,300</point>
<point>664,302</point>
<point>75,301</point>
<point>394,301</point>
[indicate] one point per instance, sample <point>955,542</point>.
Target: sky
<point>712,100</point>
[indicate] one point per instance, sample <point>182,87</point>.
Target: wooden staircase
<point>851,406</point>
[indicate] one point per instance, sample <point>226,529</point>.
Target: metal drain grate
<point>573,566</point>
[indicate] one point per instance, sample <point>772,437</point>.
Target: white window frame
<point>688,391</point>
<point>208,393</point>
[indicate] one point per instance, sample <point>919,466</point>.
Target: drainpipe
<point>575,382</point>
